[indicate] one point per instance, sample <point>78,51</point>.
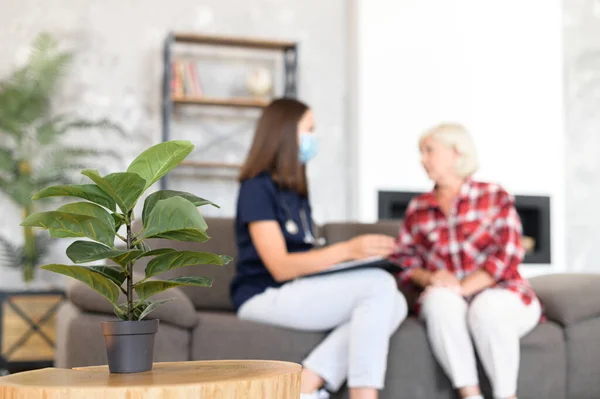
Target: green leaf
<point>72,225</point>
<point>127,256</point>
<point>47,132</point>
<point>10,255</point>
<point>153,306</point>
<point>149,288</point>
<point>59,234</point>
<point>143,246</point>
<point>119,221</point>
<point>153,198</point>
<point>156,252</point>
<point>160,159</point>
<point>120,313</point>
<point>114,274</point>
<point>89,209</point>
<point>7,162</point>
<point>87,251</point>
<point>90,192</point>
<point>124,188</point>
<point>175,260</point>
<point>176,218</point>
<point>25,97</point>
<point>190,235</point>
<point>89,277</point>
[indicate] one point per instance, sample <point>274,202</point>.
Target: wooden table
<point>223,379</point>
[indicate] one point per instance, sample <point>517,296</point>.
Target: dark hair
<point>275,146</point>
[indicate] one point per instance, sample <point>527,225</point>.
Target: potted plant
<point>32,155</point>
<point>108,209</point>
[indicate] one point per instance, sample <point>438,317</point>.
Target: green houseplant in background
<point>108,209</point>
<point>31,153</point>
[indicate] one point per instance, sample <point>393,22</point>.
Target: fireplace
<point>534,212</point>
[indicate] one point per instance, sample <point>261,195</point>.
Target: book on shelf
<point>185,81</point>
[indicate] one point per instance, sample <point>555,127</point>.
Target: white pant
<point>496,319</point>
<point>362,307</point>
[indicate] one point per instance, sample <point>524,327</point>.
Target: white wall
<point>494,66</point>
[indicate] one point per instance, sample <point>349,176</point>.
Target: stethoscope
<point>292,227</point>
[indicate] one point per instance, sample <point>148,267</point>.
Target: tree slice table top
<point>229,379</point>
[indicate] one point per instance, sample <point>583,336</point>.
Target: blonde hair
<point>456,136</point>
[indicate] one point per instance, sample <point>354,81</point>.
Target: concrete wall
<point>582,105</point>
<point>118,71</point>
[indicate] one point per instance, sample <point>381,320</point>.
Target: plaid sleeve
<point>406,255</point>
<point>506,228</point>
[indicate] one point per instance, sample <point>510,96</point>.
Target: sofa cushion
<point>337,232</point>
<point>410,359</point>
<point>222,242</point>
<point>541,376</point>
<point>583,343</point>
<point>180,312</point>
<point>224,336</point>
<point>569,298</point>
<point>543,365</point>
<point>413,372</point>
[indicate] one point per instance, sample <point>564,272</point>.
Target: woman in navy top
<point>276,249</point>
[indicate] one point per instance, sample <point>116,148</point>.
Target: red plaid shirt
<point>482,231</point>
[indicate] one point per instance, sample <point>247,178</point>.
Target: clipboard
<point>378,262</point>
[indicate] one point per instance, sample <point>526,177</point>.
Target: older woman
<point>461,245</point>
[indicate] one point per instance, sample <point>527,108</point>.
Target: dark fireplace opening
<point>534,212</point>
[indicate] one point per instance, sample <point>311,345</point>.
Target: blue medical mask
<point>307,147</point>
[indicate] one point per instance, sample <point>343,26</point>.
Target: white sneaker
<point>321,394</point>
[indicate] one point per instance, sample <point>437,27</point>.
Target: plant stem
<point>142,230</point>
<point>29,249</point>
<point>129,271</point>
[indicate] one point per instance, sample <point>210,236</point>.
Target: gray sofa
<point>560,358</point>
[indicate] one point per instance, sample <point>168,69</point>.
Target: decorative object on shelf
<point>109,205</point>
<point>31,155</point>
<point>27,329</point>
<point>259,83</point>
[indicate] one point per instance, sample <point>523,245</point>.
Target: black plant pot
<point>129,345</point>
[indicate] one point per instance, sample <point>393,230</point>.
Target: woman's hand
<point>476,282</point>
<point>368,245</point>
<point>443,278</point>
<point>440,278</point>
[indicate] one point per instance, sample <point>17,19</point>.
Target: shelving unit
<point>221,102</point>
<point>288,49</point>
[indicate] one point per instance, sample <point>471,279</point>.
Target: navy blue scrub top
<point>260,198</point>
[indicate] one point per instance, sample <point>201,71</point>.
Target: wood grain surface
<point>231,379</point>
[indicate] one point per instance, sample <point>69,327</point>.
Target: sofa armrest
<point>569,298</point>
<point>179,312</point>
